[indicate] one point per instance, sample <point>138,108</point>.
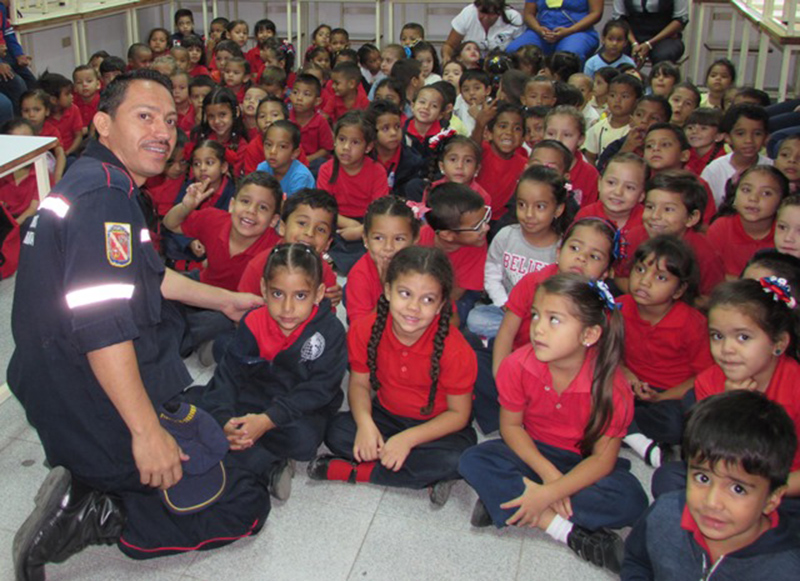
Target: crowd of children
<point>572,255</point>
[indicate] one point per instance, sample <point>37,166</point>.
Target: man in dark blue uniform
<point>94,360</point>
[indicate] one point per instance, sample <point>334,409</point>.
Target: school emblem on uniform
<point>313,348</point>
<point>118,244</point>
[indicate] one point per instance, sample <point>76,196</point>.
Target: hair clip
<point>441,137</point>
<point>604,295</point>
<point>779,289</point>
<point>418,208</point>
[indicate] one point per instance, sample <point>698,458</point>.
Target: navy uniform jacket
<point>88,278</point>
<point>303,379</point>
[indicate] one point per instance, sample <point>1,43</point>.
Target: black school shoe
<point>280,480</point>
<point>602,547</point>
<point>439,492</point>
<point>318,468</point>
<point>68,517</point>
<point>480,516</point>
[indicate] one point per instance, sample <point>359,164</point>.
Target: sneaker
<point>656,460</point>
<point>440,492</point>
<point>480,516</point>
<point>602,547</point>
<point>318,468</point>
<point>205,354</point>
<point>280,481</point>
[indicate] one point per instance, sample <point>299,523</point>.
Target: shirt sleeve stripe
<point>59,206</point>
<point>98,294</point>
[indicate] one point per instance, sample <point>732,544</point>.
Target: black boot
<point>68,517</point>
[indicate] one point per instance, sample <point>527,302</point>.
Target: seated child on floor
<point>565,406</point>
<point>281,150</point>
<point>272,408</point>
<point>623,93</point>
<point>566,125</point>
<point>19,192</point>
<point>413,431</point>
<point>316,136</point>
<point>729,522</point>
<point>35,109</point>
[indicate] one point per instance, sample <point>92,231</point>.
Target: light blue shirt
<point>297,178</point>
<point>596,63</point>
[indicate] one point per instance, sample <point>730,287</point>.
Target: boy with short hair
<point>475,87</point>
<point>273,81</point>
<point>308,217</point>
<point>87,89</point>
<point>411,34</point>
<point>727,524</point>
<point>269,110</point>
<point>64,115</point>
<point>540,91</point>
<point>705,138</point>
<point>340,40</point>
<point>404,166</point>
<point>347,90</point>
<point>183,104</point>
<point>110,68</point>
<point>624,91</point>
<point>316,135</point>
<point>534,126</point>
<point>281,149</point>
<point>746,129</point>
<point>139,56</point>
<point>234,237</point>
<point>428,111</point>
<point>199,87</point>
<point>184,25</point>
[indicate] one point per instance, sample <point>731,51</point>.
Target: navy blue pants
<point>427,464</point>
<point>661,421</point>
<point>495,472</point>
<point>346,253</point>
<point>485,406</point>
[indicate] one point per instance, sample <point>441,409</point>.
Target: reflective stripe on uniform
<point>145,235</point>
<point>56,204</point>
<point>98,294</point>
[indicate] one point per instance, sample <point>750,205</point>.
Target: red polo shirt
<point>212,227</point>
<point>363,289</point>
<point>50,130</point>
<point>584,177</point>
<point>87,108</point>
<point>335,107</point>
<point>735,246</point>
<point>198,71</point>
<point>524,384</point>
<point>354,193</point>
<point>163,192</point>
<point>520,301</point>
<point>468,261</point>
<point>68,125</point>
<point>314,135</point>
<point>404,370</point>
<point>186,121</point>
<point>783,388</point>
<point>499,177</point>
<point>669,352</point>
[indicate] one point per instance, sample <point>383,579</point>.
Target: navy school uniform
<point>406,177</point>
<point>299,387</point>
<point>89,278</point>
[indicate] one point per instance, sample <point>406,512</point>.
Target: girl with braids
<point>412,432</point>
<point>355,180</point>
<point>389,226</point>
<point>279,380</point>
<point>753,330</point>
<point>565,407</point>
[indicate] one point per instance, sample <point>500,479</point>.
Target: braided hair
<point>418,260</point>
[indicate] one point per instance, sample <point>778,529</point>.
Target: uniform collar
<point>100,152</point>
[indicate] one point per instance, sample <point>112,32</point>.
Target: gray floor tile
<point>359,497</point>
<point>416,505</point>
<point>399,548</point>
<point>14,424</point>
<point>21,473</point>
<point>544,559</point>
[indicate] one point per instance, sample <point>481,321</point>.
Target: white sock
<point>639,443</point>
<point>559,529</point>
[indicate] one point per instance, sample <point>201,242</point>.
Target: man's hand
<point>158,458</point>
<point>334,294</point>
<point>24,60</point>
<point>6,72</point>
<point>239,304</point>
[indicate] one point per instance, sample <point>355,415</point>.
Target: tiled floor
<point>325,531</point>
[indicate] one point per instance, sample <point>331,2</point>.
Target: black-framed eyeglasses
<point>477,227</point>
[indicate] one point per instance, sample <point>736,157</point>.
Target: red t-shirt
<point>524,384</point>
<point>17,197</point>
<point>314,135</point>
<point>468,261</point>
<point>68,125</point>
<point>187,121</point>
<point>212,227</point>
<point>735,246</point>
<point>669,352</point>
<point>520,301</point>
<point>697,164</point>
<point>363,288</point>
<point>354,193</point>
<point>198,71</point>
<point>499,177</point>
<point>50,130</point>
<point>163,192</point>
<point>250,282</point>
<point>783,388</point>
<point>253,56</point>
<point>711,205</point>
<point>335,107</point>
<point>87,109</point>
<point>584,177</point>
<point>404,370</point>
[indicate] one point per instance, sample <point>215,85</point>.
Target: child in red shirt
<point>347,90</point>
<point>567,125</point>
<point>231,238</point>
<point>704,135</point>
<point>197,55</point>
<point>87,93</point>
<point>316,136</point>
<point>35,108</point>
<point>355,180</point>
<point>412,433</point>
<point>389,226</point>
<point>457,223</point>
<point>252,97</point>
<point>163,189</point>
<point>307,217</point>
<point>236,76</point>
<point>63,113</point>
<point>222,122</point>
<point>183,105</point>
<point>557,439</point>
<point>666,342</point>
<point>19,192</point>
<point>503,160</point>
<point>746,221</point>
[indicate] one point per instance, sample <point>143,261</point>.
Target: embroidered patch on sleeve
<point>118,244</point>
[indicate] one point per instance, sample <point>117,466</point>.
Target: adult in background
<point>656,27</point>
<point>490,23</point>
<point>96,364</point>
<point>561,25</point>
